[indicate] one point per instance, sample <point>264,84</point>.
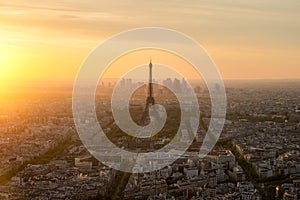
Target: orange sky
<point>49,39</point>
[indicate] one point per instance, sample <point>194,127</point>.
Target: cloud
<point>11,46</point>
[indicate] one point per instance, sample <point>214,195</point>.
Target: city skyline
<point>150,99</point>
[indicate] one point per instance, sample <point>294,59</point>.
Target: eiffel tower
<point>150,99</point>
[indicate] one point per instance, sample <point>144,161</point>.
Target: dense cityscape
<point>256,157</point>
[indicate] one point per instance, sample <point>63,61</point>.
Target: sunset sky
<point>49,39</point>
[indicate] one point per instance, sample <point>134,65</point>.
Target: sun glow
<point>4,62</point>
<point>8,61</point>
